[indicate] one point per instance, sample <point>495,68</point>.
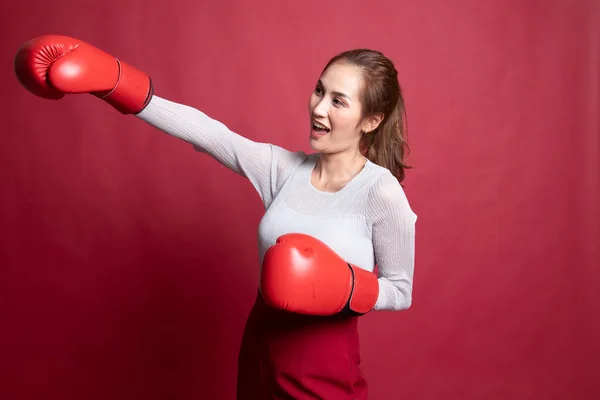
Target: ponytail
<point>386,145</point>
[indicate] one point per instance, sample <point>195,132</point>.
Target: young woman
<point>330,217</point>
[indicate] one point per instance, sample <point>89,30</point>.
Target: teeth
<point>319,126</point>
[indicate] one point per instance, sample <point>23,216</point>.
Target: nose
<point>320,109</point>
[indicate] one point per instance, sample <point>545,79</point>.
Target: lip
<point>317,135</point>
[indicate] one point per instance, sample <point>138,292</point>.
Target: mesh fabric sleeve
<point>393,232</point>
<point>264,164</point>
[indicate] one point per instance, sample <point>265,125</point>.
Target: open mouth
<point>319,129</point>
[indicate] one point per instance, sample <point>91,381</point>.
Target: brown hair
<point>386,145</point>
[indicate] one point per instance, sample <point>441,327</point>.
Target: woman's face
<point>335,110</point>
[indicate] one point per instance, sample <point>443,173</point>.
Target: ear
<point>372,122</point>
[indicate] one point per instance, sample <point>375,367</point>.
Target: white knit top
<point>368,221</point>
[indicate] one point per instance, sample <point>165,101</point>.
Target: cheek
<point>345,127</point>
<point>343,120</point>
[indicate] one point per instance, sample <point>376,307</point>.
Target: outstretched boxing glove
<point>301,274</point>
<point>51,66</point>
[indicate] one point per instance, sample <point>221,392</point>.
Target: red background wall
<point>128,261</point>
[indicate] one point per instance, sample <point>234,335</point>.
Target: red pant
<point>290,356</point>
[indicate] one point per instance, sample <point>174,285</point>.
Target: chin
<point>316,144</point>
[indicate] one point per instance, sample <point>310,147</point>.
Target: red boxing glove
<point>303,275</point>
<point>51,66</point>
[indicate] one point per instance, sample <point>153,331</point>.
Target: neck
<point>339,167</point>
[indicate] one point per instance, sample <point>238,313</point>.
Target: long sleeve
<point>265,165</point>
<point>393,232</point>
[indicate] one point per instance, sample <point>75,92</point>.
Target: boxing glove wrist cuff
<point>133,90</point>
<point>365,291</point>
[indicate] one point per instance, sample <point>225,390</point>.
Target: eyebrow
<point>336,93</point>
